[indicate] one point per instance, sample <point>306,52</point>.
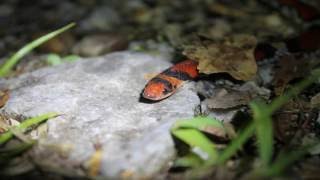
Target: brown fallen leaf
<point>234,55</point>
<point>225,98</point>
<point>216,131</point>
<point>225,115</point>
<point>4,96</point>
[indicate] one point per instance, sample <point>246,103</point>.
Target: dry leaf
<point>4,96</point>
<point>224,98</point>
<point>225,115</point>
<point>234,55</point>
<point>216,131</point>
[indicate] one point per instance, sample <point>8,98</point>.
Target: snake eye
<point>166,90</point>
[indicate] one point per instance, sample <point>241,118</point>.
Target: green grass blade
<point>199,122</point>
<point>13,60</point>
<point>190,160</point>
<point>236,144</point>
<point>25,125</point>
<point>6,155</point>
<point>264,131</point>
<point>198,142</point>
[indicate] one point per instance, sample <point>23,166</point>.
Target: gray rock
<point>99,103</point>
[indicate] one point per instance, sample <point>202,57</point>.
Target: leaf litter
<point>233,55</point>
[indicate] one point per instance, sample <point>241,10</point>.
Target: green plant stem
<point>191,160</point>
<point>13,60</point>
<point>7,154</point>
<point>236,144</point>
<point>264,131</point>
<point>196,139</point>
<point>199,123</point>
<point>25,125</point>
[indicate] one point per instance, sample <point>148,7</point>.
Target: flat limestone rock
<point>99,102</point>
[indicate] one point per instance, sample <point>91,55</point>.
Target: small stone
<point>98,44</point>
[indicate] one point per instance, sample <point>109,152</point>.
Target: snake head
<point>157,90</point>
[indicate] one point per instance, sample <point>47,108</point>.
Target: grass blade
<point>189,131</point>
<point>264,131</point>
<point>25,125</point>
<point>198,142</point>
<point>13,60</point>
<point>190,160</point>
<point>6,155</point>
<point>236,144</point>
<point>200,123</point>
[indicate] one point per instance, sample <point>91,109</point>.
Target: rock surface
<point>99,102</point>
